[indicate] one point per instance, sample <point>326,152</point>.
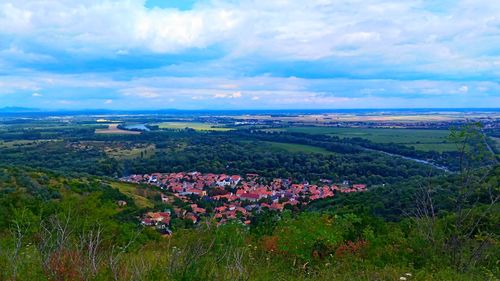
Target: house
<point>152,219</point>
<point>229,191</point>
<point>250,197</point>
<point>220,209</point>
<point>197,209</point>
<point>359,186</point>
<point>121,203</point>
<point>192,217</point>
<point>235,179</point>
<point>224,181</point>
<point>147,222</point>
<point>194,191</point>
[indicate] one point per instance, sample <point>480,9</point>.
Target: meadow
<point>21,143</point>
<point>131,153</point>
<point>113,129</point>
<point>421,139</point>
<point>133,191</point>
<point>291,147</point>
<point>198,126</point>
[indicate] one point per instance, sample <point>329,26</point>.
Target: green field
<point>421,139</point>
<point>23,143</point>
<point>289,147</point>
<point>113,129</point>
<point>147,152</point>
<point>439,147</point>
<point>199,126</point>
<point>131,191</point>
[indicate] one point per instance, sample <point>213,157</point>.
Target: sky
<point>249,54</point>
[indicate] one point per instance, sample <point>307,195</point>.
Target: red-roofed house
<point>250,197</point>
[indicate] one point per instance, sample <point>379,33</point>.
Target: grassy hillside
<point>131,190</point>
<point>57,228</point>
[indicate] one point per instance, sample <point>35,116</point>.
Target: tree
<point>465,233</point>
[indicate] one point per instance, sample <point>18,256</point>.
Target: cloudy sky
<point>242,54</point>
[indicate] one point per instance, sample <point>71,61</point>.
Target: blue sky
<point>249,54</point>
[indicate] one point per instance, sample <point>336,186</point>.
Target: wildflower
<point>402,278</point>
<point>408,274</point>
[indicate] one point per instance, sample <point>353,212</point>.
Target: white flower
<point>402,278</point>
<point>408,274</point>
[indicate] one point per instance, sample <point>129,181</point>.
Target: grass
<point>290,147</point>
<point>497,142</point>
<point>113,129</point>
<point>199,126</point>
<point>130,190</point>
<point>439,147</point>
<point>24,143</point>
<point>147,152</point>
<point>421,139</point>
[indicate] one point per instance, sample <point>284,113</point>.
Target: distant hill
<point>14,109</point>
<point>17,111</point>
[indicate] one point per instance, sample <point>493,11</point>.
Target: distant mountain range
<point>18,109</point>
<point>13,110</point>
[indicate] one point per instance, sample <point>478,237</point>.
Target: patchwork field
<point>421,139</point>
<point>199,126</point>
<point>290,147</point>
<point>113,129</point>
<point>381,117</point>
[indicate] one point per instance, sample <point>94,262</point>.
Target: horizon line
<point>18,109</point>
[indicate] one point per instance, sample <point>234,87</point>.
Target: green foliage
<point>64,224</point>
<point>313,231</point>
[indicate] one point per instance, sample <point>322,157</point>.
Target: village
<point>231,197</point>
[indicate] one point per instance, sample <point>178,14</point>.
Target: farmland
<point>288,147</point>
<point>421,139</point>
<point>198,126</point>
<point>113,129</point>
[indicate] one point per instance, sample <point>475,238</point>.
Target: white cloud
<point>228,95</point>
<point>388,30</point>
<point>66,102</point>
<point>142,92</point>
<point>257,92</point>
<point>14,19</point>
<point>115,26</point>
<point>108,101</point>
<point>36,95</point>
